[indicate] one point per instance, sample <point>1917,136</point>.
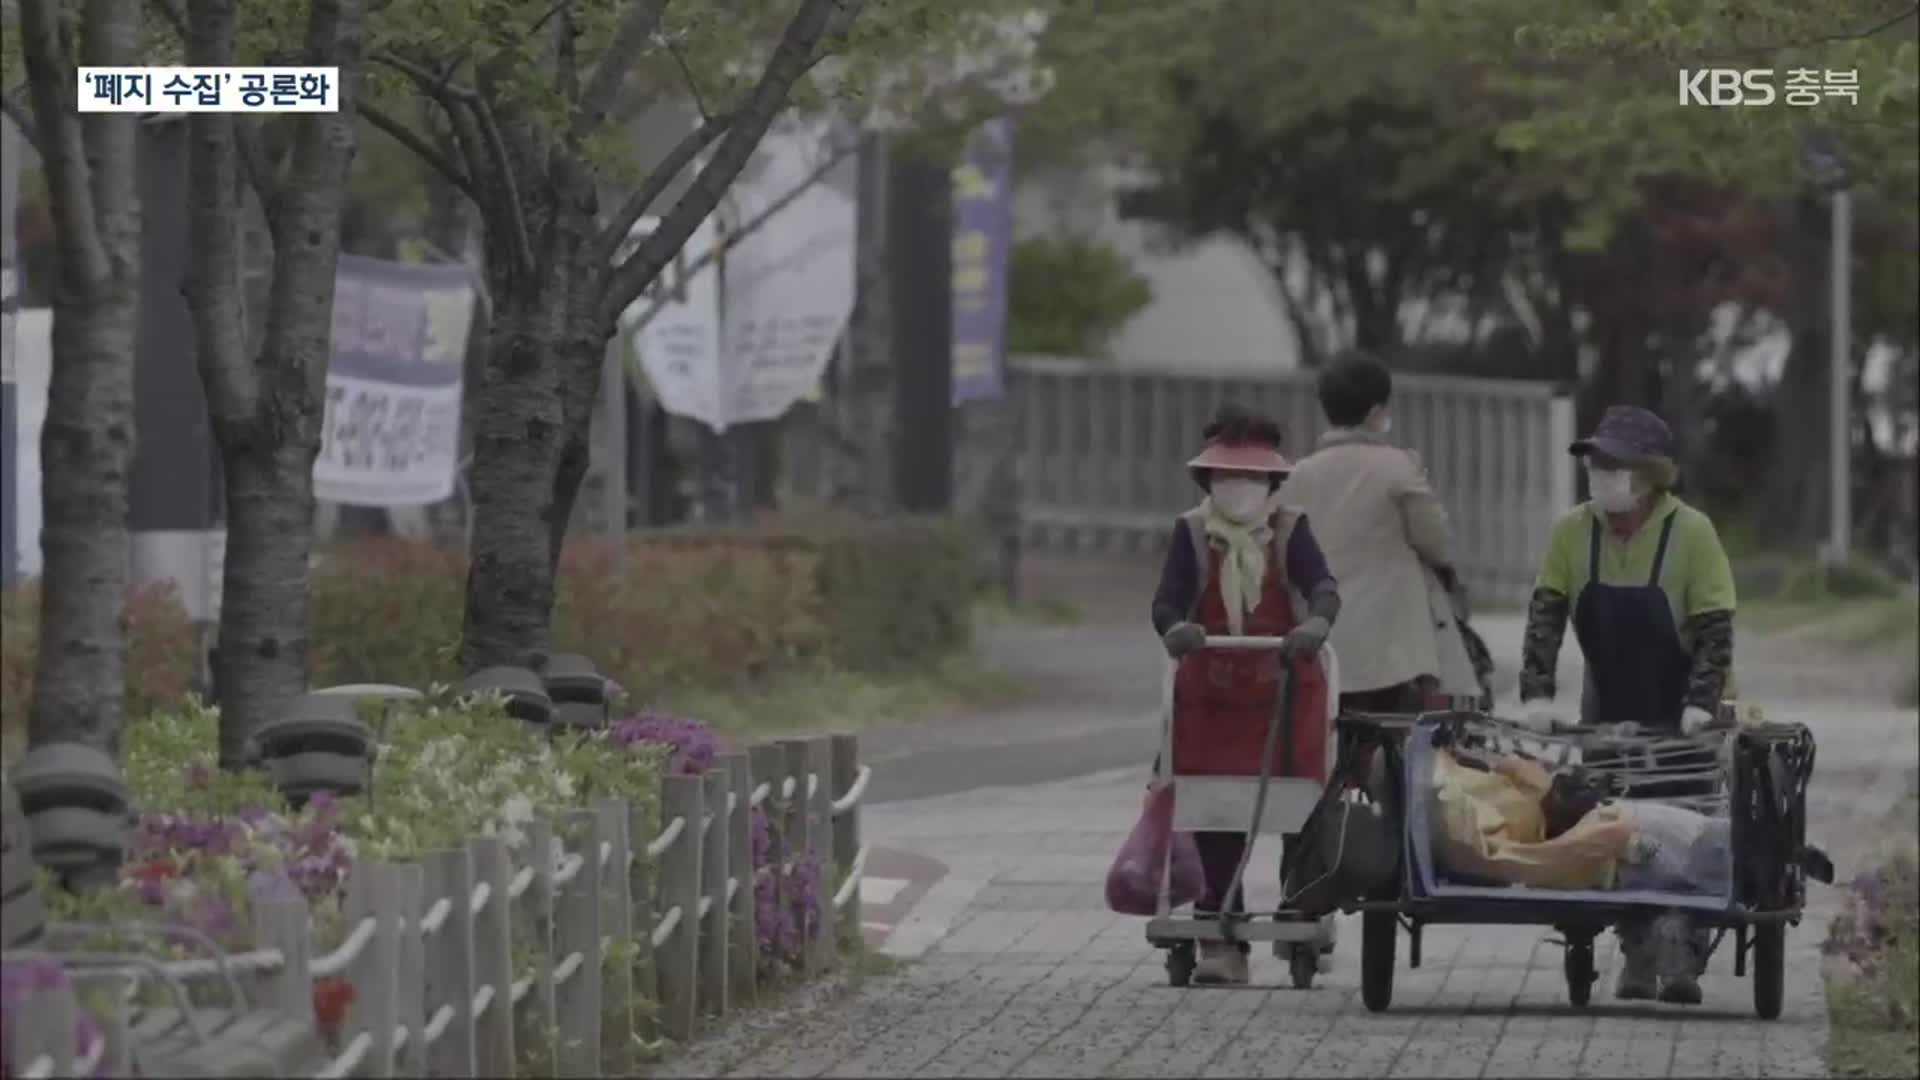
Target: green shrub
<point>160,652</point>
<point>1814,582</point>
<point>1068,296</point>
<point>390,611</point>
<point>893,592</point>
<point>677,609</point>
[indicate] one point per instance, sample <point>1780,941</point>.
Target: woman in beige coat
<point>1387,541</point>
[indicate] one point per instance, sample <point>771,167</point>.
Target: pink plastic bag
<point>1133,884</point>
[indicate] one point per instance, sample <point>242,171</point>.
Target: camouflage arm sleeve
<point>1540,649</point>
<point>1712,635</point>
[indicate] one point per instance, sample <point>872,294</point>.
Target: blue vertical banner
<point>982,242</point>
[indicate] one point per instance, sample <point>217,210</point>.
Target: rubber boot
<point>1221,964</point>
<point>1639,978</point>
<point>1677,959</point>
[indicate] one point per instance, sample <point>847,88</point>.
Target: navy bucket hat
<point>1630,435</point>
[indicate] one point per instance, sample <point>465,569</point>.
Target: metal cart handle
<point>1243,642</point>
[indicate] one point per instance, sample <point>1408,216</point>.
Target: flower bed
<point>1875,1004</point>
<point>211,845</point>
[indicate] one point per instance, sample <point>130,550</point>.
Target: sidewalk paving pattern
<point>1019,969</point>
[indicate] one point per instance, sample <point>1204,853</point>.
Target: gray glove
<point>1306,639</point>
<point>1183,638</point>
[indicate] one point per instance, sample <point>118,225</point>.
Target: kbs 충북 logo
<point>1802,87</point>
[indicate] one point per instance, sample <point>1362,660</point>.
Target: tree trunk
<point>86,444</point>
<point>267,410</point>
<point>519,438</point>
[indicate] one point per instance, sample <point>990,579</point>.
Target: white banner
<point>391,434</point>
<point>743,340</point>
<point>675,330</point>
<point>789,283</point>
<point>385,444</point>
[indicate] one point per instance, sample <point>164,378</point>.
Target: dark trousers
<point>1406,697</point>
<point>1219,858</point>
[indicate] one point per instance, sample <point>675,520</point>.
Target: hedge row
<point>667,609</point>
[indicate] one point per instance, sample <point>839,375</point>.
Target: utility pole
<point>1840,386</point>
<point>1829,171</point>
<point>921,269</point>
<point>173,487</point>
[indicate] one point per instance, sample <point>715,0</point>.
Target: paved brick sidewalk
<point>1020,971</point>
<point>1028,975</point>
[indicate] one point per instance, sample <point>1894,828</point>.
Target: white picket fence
<point>431,957</point>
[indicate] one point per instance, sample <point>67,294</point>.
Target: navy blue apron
<point>1637,668</point>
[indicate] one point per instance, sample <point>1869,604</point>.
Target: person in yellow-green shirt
<point>1648,589</point>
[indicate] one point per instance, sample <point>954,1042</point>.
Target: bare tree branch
<point>765,214</point>
<point>642,19</point>
<point>516,222</point>
<point>480,140</point>
<point>22,119</point>
<point>693,84</point>
<point>799,50</point>
<point>422,148</point>
<point>63,153</point>
<point>215,272</point>
<point>439,87</point>
<point>654,186</point>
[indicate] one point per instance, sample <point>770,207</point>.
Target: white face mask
<point>1613,490</point>
<point>1239,499</point>
<point>1380,421</point>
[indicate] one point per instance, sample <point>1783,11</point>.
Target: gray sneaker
<point>1221,964</point>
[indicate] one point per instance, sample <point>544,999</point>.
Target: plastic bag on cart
<point>1489,826</point>
<point>1133,882</point>
<point>1676,849</point>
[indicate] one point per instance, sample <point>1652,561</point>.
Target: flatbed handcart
<point>1755,775</point>
<point>1257,803</point>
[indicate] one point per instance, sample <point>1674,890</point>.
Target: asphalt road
<point>1093,707</point>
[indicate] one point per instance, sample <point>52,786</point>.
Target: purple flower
<point>692,745</point>
<point>24,975</point>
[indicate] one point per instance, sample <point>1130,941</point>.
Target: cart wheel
<point>1768,970</point>
<point>1303,964</point>
<point>1580,972</point>
<point>1378,930</point>
<point>1180,963</point>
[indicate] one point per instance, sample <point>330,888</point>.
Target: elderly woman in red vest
<point>1241,563</point>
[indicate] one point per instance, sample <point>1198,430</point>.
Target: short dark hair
<point>1352,387</point>
<point>1238,424</point>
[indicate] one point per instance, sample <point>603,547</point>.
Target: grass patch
<point>833,700</point>
<point>1873,990</point>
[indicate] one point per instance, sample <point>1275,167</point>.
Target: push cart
<point>1256,803</point>
<point>1756,775</point>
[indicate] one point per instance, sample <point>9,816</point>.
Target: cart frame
<point>1767,807</point>
<point>1219,803</point>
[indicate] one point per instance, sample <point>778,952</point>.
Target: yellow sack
<point>1489,825</point>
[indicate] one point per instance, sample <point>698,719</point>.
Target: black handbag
<point>1348,849</point>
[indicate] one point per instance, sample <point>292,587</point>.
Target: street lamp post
<point>1829,172</point>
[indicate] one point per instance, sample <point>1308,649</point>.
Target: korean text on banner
<point>787,285</point>
<point>982,236</point>
<point>674,328</point>
<point>391,435</point>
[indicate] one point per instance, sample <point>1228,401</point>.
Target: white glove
<point>1540,714</point>
<point>1694,720</point>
